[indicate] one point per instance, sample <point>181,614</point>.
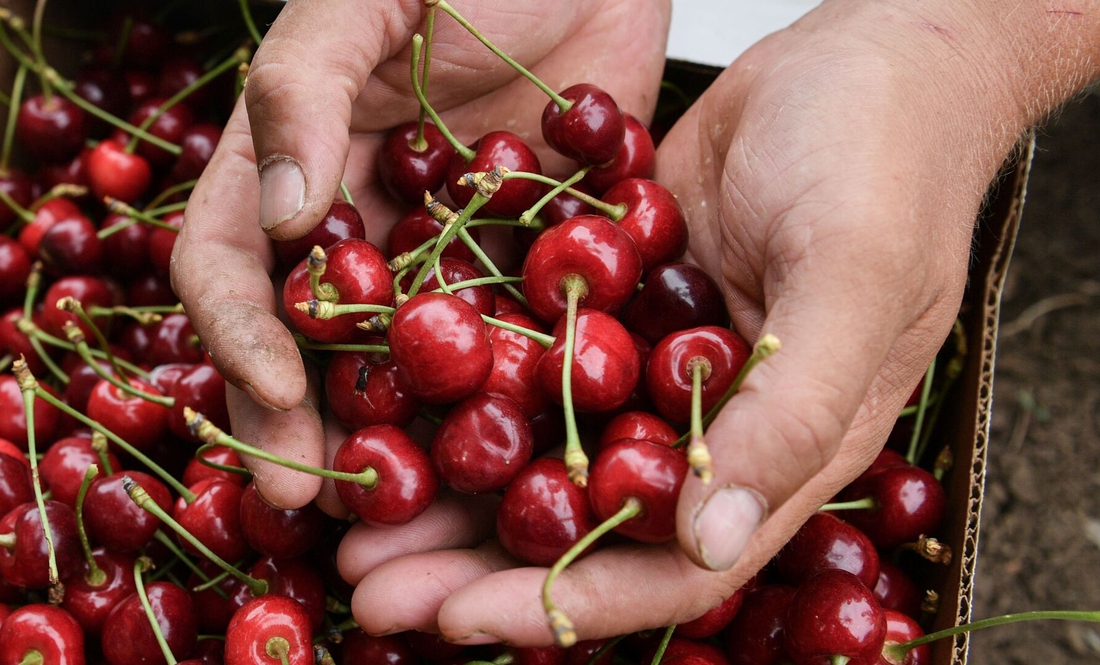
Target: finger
<point>453,521</point>
<point>406,593</point>
<point>309,70</point>
<point>220,267</point>
<point>328,500</point>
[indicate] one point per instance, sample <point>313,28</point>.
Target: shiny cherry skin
<point>582,652</point>
<point>162,241</point>
<point>203,389</point>
<point>175,614</point>
<point>173,341</point>
<point>593,248</point>
<point>543,513</point>
<point>133,418</point>
<point>482,444</point>
<point>15,483</point>
<point>407,172</point>
<point>406,485</point>
<point>591,131</point>
<point>826,541</point>
<point>50,213</point>
<point>170,126</point>
<point>895,590</point>
<point>71,247</point>
<point>147,45</point>
<point>279,533</point>
<point>215,606</point>
<point>198,144</point>
<point>90,603</point>
<point>259,622</point>
<point>636,159</point>
<point>72,172</point>
<point>19,187</point>
<point>51,130</point>
<point>654,220</point>
<point>834,614</point>
<point>197,471</point>
<point>515,363</point>
<point>359,647</point>
<point>910,502</point>
<point>293,578</point>
<point>90,291</point>
<point>682,651</point>
<point>214,518</point>
<point>141,84</point>
<point>441,347</point>
<point>13,341</point>
<point>566,206</point>
<point>714,620</point>
<point>606,366</point>
<point>105,89</point>
<point>676,296</point>
<point>341,221</point>
<point>64,464</point>
<point>669,370</point>
<point>899,630</point>
<point>498,148</point>
<point>363,390</point>
<point>885,458</point>
<point>115,521</point>
<point>166,375</point>
<point>417,227</point>
<point>756,634</point>
<point>116,173</point>
<point>125,252</point>
<point>454,271</point>
<point>358,273</point>
<point>150,290</point>
<point>646,471</point>
<point>27,563</point>
<point>13,418</point>
<point>180,71</point>
<point>637,425</point>
<point>15,267</point>
<point>47,630</point>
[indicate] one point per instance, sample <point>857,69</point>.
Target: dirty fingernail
<point>476,639</point>
<point>282,191</point>
<point>724,523</point>
<point>260,400</point>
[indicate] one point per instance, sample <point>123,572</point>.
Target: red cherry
<point>15,482</point>
<point>648,472</point>
<point>174,342</point>
<point>826,541</point>
<point>417,227</point>
<point>19,187</point>
<point>106,89</point>
<point>44,629</point>
<point>591,131</point>
<point>198,144</point>
<point>441,347</point>
<point>715,619</point>
<point>150,290</point>
<point>407,172</point>
<point>216,605</point>
<point>690,652</point>
<point>197,471</point>
<point>90,291</point>
<point>515,363</point>
<point>358,647</point>
<point>637,425</point>
<point>147,45</point>
<point>162,241</point>
<point>133,418</point>
<point>676,296</point>
<point>566,206</point>
<point>406,483</point>
<point>175,615</point>
<point>909,503</point>
<point>114,172</point>
<point>63,467</point>
<point>293,578</point>
<point>636,159</point>
<point>582,652</point>
<point>498,149</point>
<point>169,126</point>
<point>50,213</point>
<point>73,172</point>
<point>51,130</point>
<point>895,590</point>
<point>14,342</point>
<point>180,71</point>
<point>276,532</point>
<point>115,521</point>
<point>13,418</point>
<point>899,630</point>
<point>362,390</point>
<point>454,271</point>
<point>125,252</point>
<point>654,220</point>
<point>605,363</point>
<point>15,267</point>
<point>834,614</point>
<point>26,564</point>
<point>669,370</point>
<point>341,221</point>
<point>482,444</point>
<point>543,513</point>
<point>263,627</point>
<point>214,518</point>
<point>202,389</point>
<point>142,85</point>
<point>755,636</point>
<point>90,603</point>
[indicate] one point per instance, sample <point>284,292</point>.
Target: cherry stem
<point>108,231</point>
<point>33,657</point>
<point>123,41</point>
<point>278,647</point>
<point>663,646</point>
<point>304,342</point>
<point>36,33</point>
<point>536,223</point>
<point>766,346</point>
<point>250,24</point>
<point>931,549</point>
<point>607,646</point>
<point>95,575</point>
<point>212,582</point>
<point>122,208</point>
<point>99,446</point>
<point>74,333</point>
<point>208,432</point>
<point>166,540</point>
<point>13,114</point>
<point>346,193</point>
<point>324,310</point>
<point>698,455</point>
<point>418,143</point>
<point>563,104</point>
<point>188,495</point>
<point>5,362</point>
<point>140,566</point>
<point>467,153</point>
<point>28,386</point>
<point>545,341</point>
<point>486,187</point>
<point>839,659</point>
<point>900,650</point>
<point>240,471</point>
<point>866,503</point>
<point>56,192</point>
<point>576,462</point>
<point>529,214</point>
<point>25,216</point>
<point>922,408</point>
<point>480,254</point>
<point>951,373</point>
<point>565,634</point>
<point>139,496</point>
<point>34,333</point>
<point>84,352</point>
<point>239,56</point>
<point>164,195</point>
<point>146,315</point>
<point>316,264</point>
<point>615,212</point>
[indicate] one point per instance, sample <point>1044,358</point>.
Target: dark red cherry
<point>215,605</point>
<point>454,271</point>
<point>15,267</point>
<point>39,629</point>
<point>279,533</point>
<point>590,247</point>
<point>72,172</point>
<point>676,296</point>
<point>637,425</point>
<point>362,390</point>
<point>198,144</point>
<point>133,418</point>
<point>51,130</point>
<point>834,614</point>
<point>341,221</point>
<point>169,126</point>
<point>48,214</point>
<point>358,647</point>
<point>755,636</point>
<point>115,521</point>
<point>142,85</point>
<point>636,159</point>
<point>431,646</point>
<point>591,131</point>
<point>441,347</point>
<point>582,653</point>
<point>197,471</point>
<point>162,241</point>
<point>180,71</point>
<point>826,541</point>
<point>15,342</point>
<point>715,619</point>
<point>643,470</point>
<point>106,89</point>
<point>19,187</point>
<point>15,482</point>
<point>690,652</point>
<point>203,389</point>
<point>543,513</point>
<point>26,563</point>
<point>125,252</point>
<point>293,578</point>
<point>895,590</point>
<point>214,518</point>
<point>175,615</point>
<point>605,363</point>
<point>515,363</point>
<point>264,621</point>
<point>150,290</point>
<point>654,220</point>
<point>90,603</point>
<point>482,444</point>
<point>13,417</point>
<point>174,342</point>
<point>910,502</point>
<point>116,173</point>
<point>407,171</point>
<point>406,484</point>
<point>90,291</point>
<point>669,370</point>
<point>147,45</point>
<point>417,227</point>
<point>498,148</point>
<point>64,464</point>
<point>566,206</point>
<point>899,630</point>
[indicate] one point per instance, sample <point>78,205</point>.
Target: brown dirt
<point>1040,533</point>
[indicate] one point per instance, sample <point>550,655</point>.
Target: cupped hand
<point>831,178</point>
<point>330,78</point>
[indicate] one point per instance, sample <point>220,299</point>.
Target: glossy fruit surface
<point>826,541</point>
<point>46,629</point>
<point>276,532</point>
<point>406,484</point>
<point>636,159</point>
<point>642,470</point>
<point>834,614</point>
<point>591,131</point>
<point>407,172</point>
<point>515,362</point>
<point>114,172</point>
<point>341,221</point>
<point>543,513</point>
<point>27,563</point>
<point>498,148</point>
<point>51,130</point>
<point>175,615</point>
<point>114,520</point>
<point>669,369</point>
<point>910,502</point>
<point>263,619</point>
<point>676,296</point>
<point>654,220</point>
<point>483,443</point>
<point>605,365</point>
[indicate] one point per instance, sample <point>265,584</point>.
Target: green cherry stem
<point>565,634</point>
<point>663,646</point>
<point>168,193</point>
<point>951,373</point>
<point>70,304</point>
<point>99,446</point>
<point>35,334</point>
<point>866,503</point>
<point>13,114</point>
<point>5,362</point>
<point>698,454</point>
<point>139,496</point>
<point>900,650</point>
<point>24,216</point>
<point>76,336</point>
<point>316,264</point>
<point>304,342</point>
<point>418,143</point>
<point>607,646</point>
<point>250,24</point>
<point>615,212</point>
<point>486,186</point>
<point>417,45</point>
<point>535,224</point>
<point>58,191</point>
<point>108,231</point>
<point>576,462</point>
<point>171,545</point>
<point>324,310</point>
<point>140,566</point>
<point>922,409</point>
<point>94,575</point>
<point>563,104</point>
<point>121,208</point>
<point>123,41</point>
<point>165,209</point>
<point>240,471</point>
<point>545,341</point>
<point>346,193</point>
<point>529,214</point>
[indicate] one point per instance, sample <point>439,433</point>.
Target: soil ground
<point>1039,546</point>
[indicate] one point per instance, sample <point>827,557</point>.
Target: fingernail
<point>260,400</point>
<point>724,523</point>
<point>476,639</point>
<point>282,191</point>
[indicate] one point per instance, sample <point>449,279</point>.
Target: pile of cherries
<point>129,526</point>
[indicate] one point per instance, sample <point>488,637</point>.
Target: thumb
<point>306,75</point>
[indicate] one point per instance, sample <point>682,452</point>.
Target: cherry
<point>909,502</point>
<point>647,472</point>
<point>174,342</point>
<point>341,221</point>
<point>590,247</point>
<point>515,363</point>
<point>756,634</point>
<point>72,172</point>
<point>454,271</point>
<point>834,614</point>
<point>197,146</point>
<point>135,419</point>
<point>551,655</point>
<point>654,220</point>
<point>165,376</point>
<point>359,647</point>
<point>51,130</point>
<point>19,187</point>
<point>63,466</point>
<point>566,206</point>
<point>591,131</point>
<point>162,241</point>
<point>896,591</point>
<point>125,252</point>
<point>215,604</point>
<point>715,619</point>
<point>899,630</point>
<point>41,630</point>
<point>430,646</point>
<point>543,514</point>
<point>689,652</point>
<point>15,342</point>
<point>15,267</point>
<point>116,173</point>
<point>24,558</point>
<point>637,425</point>
<point>406,482</point>
<point>197,471</point>
<point>582,653</point>
<point>719,353</point>
<point>116,522</point>
<point>15,482</point>
<point>482,444</point>
<point>180,71</point>
<point>441,347</point>
<point>408,170</point>
<point>175,615</point>
<point>676,296</point>
<point>169,126</point>
<point>213,516</point>
<point>202,389</point>
<point>417,227</point>
<point>499,148</point>
<point>271,630</point>
<point>90,602</point>
<point>150,290</point>
<point>141,84</point>
<point>105,89</point>
<point>147,43</point>
<point>276,532</point>
<point>636,159</point>
<point>605,363</point>
<point>293,578</point>
<point>362,390</point>
<point>823,542</point>
<point>48,214</point>
<point>13,418</point>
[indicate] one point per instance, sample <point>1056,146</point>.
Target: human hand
<point>330,78</point>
